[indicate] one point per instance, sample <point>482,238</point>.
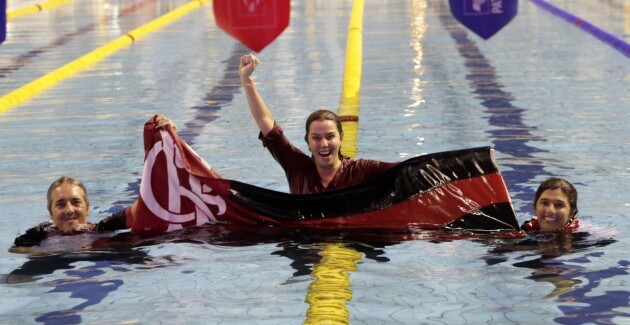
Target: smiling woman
<point>68,205</point>
<point>326,168</point>
<point>427,85</point>
<point>555,206</point>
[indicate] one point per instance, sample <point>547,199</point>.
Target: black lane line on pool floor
<point>509,133</point>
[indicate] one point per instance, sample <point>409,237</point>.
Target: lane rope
<point>348,110</point>
<point>35,8</point>
<point>331,289</point>
<point>33,88</point>
<point>615,42</point>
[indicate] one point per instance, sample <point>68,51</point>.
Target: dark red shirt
<point>301,170</point>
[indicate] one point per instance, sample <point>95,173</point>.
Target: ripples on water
<point>550,98</point>
<point>234,266</point>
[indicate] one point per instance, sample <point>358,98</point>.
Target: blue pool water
<point>550,97</point>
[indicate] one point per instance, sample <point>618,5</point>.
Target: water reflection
<point>326,258</point>
<point>309,251</point>
<point>301,245</point>
<point>573,278</point>
<point>39,265</point>
<point>80,282</point>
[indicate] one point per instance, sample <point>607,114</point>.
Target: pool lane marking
<point>507,128</point>
<point>331,289</point>
<point>23,60</point>
<point>35,8</point>
<point>348,109</point>
<point>617,43</point>
<point>328,294</point>
<point>37,86</point>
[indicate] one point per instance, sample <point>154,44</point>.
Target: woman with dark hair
<point>555,207</point>
<point>326,168</point>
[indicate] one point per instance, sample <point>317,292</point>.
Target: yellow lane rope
<point>328,294</point>
<point>35,8</point>
<point>37,86</point>
<point>348,110</point>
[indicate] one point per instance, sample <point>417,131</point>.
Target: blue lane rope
<point>612,40</point>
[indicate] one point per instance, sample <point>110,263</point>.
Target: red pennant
<point>255,23</point>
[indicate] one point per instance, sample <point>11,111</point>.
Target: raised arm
<point>258,108</point>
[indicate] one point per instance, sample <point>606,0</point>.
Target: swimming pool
<point>551,98</point>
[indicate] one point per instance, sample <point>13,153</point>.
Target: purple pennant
<point>3,20</point>
<point>484,17</point>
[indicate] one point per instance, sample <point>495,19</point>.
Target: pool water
<point>550,97</point>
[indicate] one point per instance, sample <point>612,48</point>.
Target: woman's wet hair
<point>565,186</point>
<point>324,115</point>
<point>65,180</point>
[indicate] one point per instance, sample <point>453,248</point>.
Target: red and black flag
<point>460,190</point>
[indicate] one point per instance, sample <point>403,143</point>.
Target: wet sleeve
<point>116,221</point>
<point>285,153</point>
<point>33,236</point>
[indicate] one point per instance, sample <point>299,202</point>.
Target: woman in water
<point>68,205</point>
<point>555,207</point>
<point>326,168</point>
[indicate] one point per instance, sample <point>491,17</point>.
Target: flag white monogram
<point>198,193</point>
